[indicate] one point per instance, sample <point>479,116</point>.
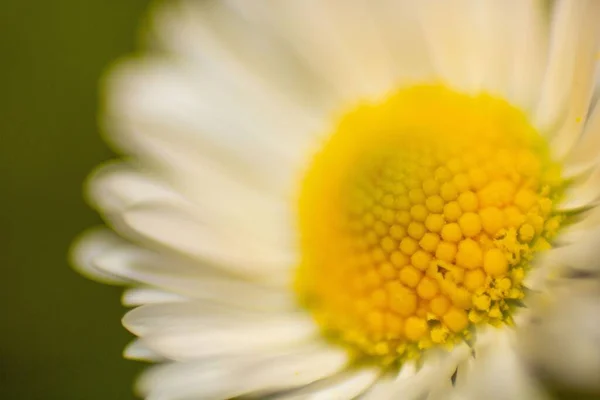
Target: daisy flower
<point>355,199</point>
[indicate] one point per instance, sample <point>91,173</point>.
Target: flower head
<point>339,199</point>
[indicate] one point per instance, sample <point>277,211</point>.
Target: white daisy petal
<point>580,254</point>
<point>194,282</point>
<point>139,296</point>
<point>235,376</point>
<point>582,86</point>
<point>184,337</point>
<point>499,374</point>
<point>88,248</point>
<point>345,386</point>
<point>573,25</point>
<point>116,185</point>
<point>154,101</point>
<point>584,155</point>
<point>471,43</point>
<point>136,350</point>
<point>175,229</point>
<point>572,322</point>
<point>584,192</point>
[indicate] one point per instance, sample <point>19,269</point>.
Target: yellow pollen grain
<point>439,305</point>
<point>410,276</point>
<point>452,211</point>
<point>446,251</point>
<point>415,328</point>
<point>451,233</point>
<point>418,212</point>
<point>468,201</point>
<point>434,222</point>
<point>415,230</point>
<point>495,262</point>
<point>435,204</point>
<point>397,232</point>
<point>429,242</point>
<point>456,319</point>
<point>408,246</point>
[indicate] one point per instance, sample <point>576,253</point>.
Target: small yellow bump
<point>372,279</point>
<point>420,259</point>
<point>388,244</point>
<point>380,228</point>
<point>470,224</point>
<point>478,178</point>
<point>403,218</point>
<point>388,200</point>
<point>378,255</point>
<point>408,246</point>
<point>418,212</point>
<point>435,204</point>
<point>526,233</point>
<point>415,328</point>
<point>461,182</point>
<point>482,302</point>
<point>403,301</point>
<point>492,220</point>
<point>416,230</point>
<point>399,259</point>
<point>504,284</point>
<point>442,174</point>
<point>513,216</point>
<point>498,193</point>
<point>375,321</point>
<point>410,276</point>
<point>474,279</point>
<point>451,232</point>
<point>416,196</point>
<point>452,211</point>
<point>394,325</point>
<point>475,316</point>
<point>495,262</point>
<point>448,191</point>
<point>537,222</point>
<point>397,232</point>
<point>427,288</point>
<point>402,203</point>
<point>495,312</point>
<point>431,187</point>
<point>525,199</point>
<point>387,271</point>
<point>446,251</point>
<point>439,334</point>
<point>429,242</point>
<point>434,222</point>
<point>468,201</point>
<point>379,298</point>
<point>456,319</point>
<point>368,219</point>
<point>461,298</point>
<point>469,254</point>
<point>388,216</point>
<point>439,305</point>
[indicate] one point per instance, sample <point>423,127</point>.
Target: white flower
<point>340,199</point>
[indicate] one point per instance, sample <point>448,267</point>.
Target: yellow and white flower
<point>356,199</point>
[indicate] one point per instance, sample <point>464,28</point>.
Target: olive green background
<point>60,336</point>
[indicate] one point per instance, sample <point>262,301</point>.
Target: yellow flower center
<point>419,218</point>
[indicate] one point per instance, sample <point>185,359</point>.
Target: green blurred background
<point>60,336</point>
